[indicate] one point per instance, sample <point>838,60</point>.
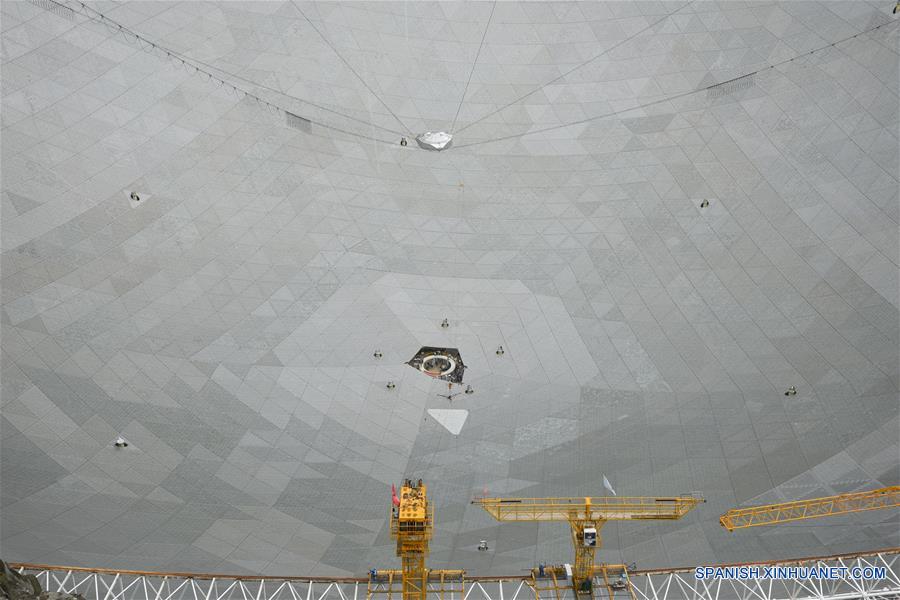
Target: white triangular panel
<point>451,419</point>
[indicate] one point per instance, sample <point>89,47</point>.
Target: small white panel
<point>451,419</point>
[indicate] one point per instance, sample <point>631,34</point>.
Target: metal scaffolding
<point>663,584</point>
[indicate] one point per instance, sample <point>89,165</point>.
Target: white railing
<point>878,579</point>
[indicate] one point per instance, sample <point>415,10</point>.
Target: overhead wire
<point>576,67</point>
<point>674,96</point>
<point>352,70</point>
<point>232,75</point>
<point>222,77</point>
<point>474,63</point>
<point>613,47</point>
<point>200,66</point>
<point>286,95</point>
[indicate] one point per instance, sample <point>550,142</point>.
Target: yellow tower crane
<point>412,523</point>
<point>585,517</point>
<point>772,514</point>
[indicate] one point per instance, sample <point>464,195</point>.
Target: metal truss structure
<point>811,508</point>
<point>681,584</point>
<point>586,515</point>
<point>666,584</point>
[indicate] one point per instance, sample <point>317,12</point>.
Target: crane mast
<point>773,514</point>
<point>586,516</point>
<point>411,525</point>
<point>585,538</point>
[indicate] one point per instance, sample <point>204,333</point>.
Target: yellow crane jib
<point>586,515</point>
<point>772,514</point>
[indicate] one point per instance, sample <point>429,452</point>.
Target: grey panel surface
<point>225,324</point>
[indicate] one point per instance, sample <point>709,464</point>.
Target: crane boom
<point>586,515</point>
<point>772,514</point>
<point>602,508</point>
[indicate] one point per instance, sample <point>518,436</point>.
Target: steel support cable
<point>202,67</point>
<point>673,97</point>
<point>474,63</point>
<point>229,74</point>
<point>281,93</point>
<point>576,67</point>
<point>349,66</point>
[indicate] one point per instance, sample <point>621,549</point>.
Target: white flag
<point>608,486</point>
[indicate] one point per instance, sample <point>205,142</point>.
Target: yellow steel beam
<point>603,508</point>
<point>772,514</point>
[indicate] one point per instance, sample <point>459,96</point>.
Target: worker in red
<point>394,499</point>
